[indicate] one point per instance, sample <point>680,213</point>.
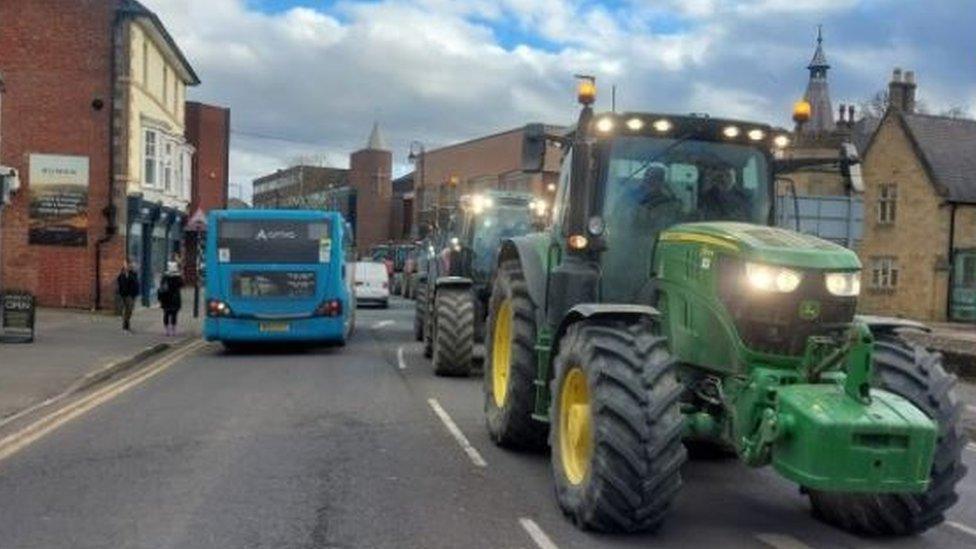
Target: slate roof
<point>947,147</point>
<point>403,184</point>
<point>376,141</point>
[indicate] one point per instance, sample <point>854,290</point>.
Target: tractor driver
<point>721,198</point>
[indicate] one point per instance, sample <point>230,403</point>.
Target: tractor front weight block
<point>828,441</point>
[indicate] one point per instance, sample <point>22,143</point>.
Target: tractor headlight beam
<point>843,284</point>
<point>770,278</point>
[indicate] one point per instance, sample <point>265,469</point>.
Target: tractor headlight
<point>843,284</point>
<point>769,278</point>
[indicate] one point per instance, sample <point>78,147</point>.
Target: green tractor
<point>457,295</point>
<point>661,312</point>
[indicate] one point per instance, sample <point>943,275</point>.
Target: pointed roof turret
<point>821,121</point>
<point>376,141</point>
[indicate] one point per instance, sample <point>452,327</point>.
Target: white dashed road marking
<point>538,536</point>
<point>961,528</point>
<point>382,324</point>
<point>400,362</point>
<point>457,434</point>
<point>781,541</point>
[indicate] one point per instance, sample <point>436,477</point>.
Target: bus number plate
<point>274,326</point>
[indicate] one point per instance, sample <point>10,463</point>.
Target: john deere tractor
<point>457,295</point>
<point>661,310</point>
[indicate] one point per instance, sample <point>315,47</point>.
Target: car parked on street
<point>372,283</point>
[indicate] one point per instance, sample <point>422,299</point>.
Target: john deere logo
<point>810,310</point>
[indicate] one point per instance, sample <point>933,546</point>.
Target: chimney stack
<point>901,91</point>
<point>840,111</point>
<point>850,113</point>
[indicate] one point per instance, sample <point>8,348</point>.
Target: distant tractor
<point>456,296</point>
<point>661,310</point>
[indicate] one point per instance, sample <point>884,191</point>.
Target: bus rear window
<point>273,241</point>
<point>274,284</point>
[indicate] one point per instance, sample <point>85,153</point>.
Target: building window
<point>168,167</point>
<point>887,202</point>
<point>968,274</point>
<point>149,158</point>
<point>884,273</point>
<point>187,157</point>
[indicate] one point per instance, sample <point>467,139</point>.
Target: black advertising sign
<point>58,187</point>
<point>18,313</point>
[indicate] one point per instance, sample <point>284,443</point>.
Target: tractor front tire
<point>616,426</point>
<point>917,375</point>
<point>454,332</point>
<point>418,313</point>
<point>510,363</point>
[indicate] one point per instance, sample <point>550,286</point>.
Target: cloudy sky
<point>309,77</point>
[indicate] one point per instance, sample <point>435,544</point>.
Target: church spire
<point>376,141</point>
<point>821,120</point>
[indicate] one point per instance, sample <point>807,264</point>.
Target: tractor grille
<point>772,322</point>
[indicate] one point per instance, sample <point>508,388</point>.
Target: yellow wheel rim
<point>575,426</point>
<point>501,352</point>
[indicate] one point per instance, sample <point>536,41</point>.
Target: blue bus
<point>279,275</point>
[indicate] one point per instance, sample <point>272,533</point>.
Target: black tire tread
<point>454,335</point>
<point>514,427</point>
<point>636,468</point>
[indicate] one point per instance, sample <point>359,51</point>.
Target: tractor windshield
<point>493,226</point>
<point>652,184</point>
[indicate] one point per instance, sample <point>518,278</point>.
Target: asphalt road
<point>345,448</point>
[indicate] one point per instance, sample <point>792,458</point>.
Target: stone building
<point>489,162</point>
<point>93,120</point>
<point>919,247</point>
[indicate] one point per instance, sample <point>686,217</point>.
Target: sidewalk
<point>72,345</point>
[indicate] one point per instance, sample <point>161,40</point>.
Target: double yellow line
<point>13,443</point>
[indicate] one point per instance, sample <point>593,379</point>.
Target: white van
<point>372,283</point>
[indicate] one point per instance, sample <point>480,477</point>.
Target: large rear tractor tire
<point>454,331</point>
<point>510,363</point>
<point>616,426</point>
<point>916,374</point>
<point>419,312</point>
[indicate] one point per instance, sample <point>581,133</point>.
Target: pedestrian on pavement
<point>170,287</point>
<point>128,288</point>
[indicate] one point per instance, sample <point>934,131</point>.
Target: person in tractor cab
<point>721,198</point>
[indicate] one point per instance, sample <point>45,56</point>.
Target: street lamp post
<point>418,155</point>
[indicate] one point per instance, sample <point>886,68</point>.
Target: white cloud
<point>443,70</point>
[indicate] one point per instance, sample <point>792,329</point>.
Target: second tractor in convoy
<point>661,310</point>
<point>451,308</point>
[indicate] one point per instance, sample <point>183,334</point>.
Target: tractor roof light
<point>586,91</point>
<point>635,124</point>
<point>801,111</point>
<point>604,125</point>
<point>662,125</point>
<point>731,132</point>
<point>756,134</point>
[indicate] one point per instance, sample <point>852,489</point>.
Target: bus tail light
<point>332,307</point>
<point>216,307</point>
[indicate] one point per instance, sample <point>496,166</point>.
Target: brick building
<point>363,193</point>
<point>919,247</point>
<point>82,76</point>
<point>489,162</point>
<point>208,132</point>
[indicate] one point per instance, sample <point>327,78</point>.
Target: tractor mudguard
<point>452,281</point>
<point>529,250</point>
<point>586,311</point>
<point>880,325</point>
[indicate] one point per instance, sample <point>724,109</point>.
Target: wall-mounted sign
<point>58,200</point>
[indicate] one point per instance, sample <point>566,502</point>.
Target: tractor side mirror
<point>534,148</point>
<point>850,167</point>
